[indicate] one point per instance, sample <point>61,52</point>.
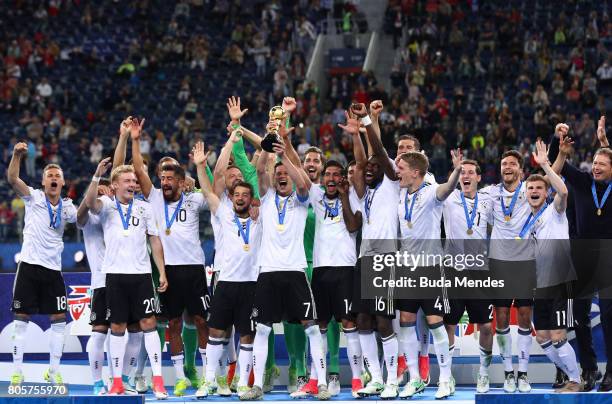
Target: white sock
<point>504,340</point>
<point>245,363</point>
<point>567,357</point>
<point>141,363</point>
<point>369,349</point>
<point>108,355</point>
<point>131,351</point>
<point>222,369</point>
<point>313,368</point>
<point>315,341</point>
<point>20,327</point>
<point>423,333</point>
<point>260,353</point>
<point>551,353</point>
<point>56,345</point>
<point>117,348</point>
<point>204,361</point>
<point>485,361</point>
<point>353,351</point>
<point>177,363</point>
<point>524,344</point>
<point>214,354</point>
<point>395,323</point>
<point>153,346</point>
<point>95,352</point>
<point>390,349</point>
<point>408,342</point>
<point>440,338</point>
<point>231,349</point>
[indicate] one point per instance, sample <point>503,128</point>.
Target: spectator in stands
<point>302,147</point>
<point>44,89</point>
<point>95,150</point>
<point>338,156</point>
<point>18,208</point>
<point>233,55</point>
<point>212,156</point>
<point>6,220</point>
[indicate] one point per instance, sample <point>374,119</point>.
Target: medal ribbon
<point>469,218</point>
<point>125,220</point>
<point>55,218</point>
<point>530,222</point>
<point>171,220</point>
<point>598,204</point>
<point>243,233</point>
<point>508,211</point>
<point>407,212</point>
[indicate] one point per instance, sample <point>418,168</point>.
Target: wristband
<point>366,120</point>
<point>95,179</point>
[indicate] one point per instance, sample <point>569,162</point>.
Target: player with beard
<point>594,226</point>
<point>233,298</point>
<point>508,212</point>
<point>405,144</point>
<point>282,290</point>
<point>39,286</point>
<point>129,287</point>
<point>294,333</point>
<point>465,224</point>
<point>337,220</point>
<point>548,226</point>
<point>178,214</point>
<point>376,185</point>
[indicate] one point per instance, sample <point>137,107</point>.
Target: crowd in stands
<point>71,70</point>
<point>483,76</point>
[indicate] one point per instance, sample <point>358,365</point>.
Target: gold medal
<point>409,224</point>
<point>168,232</point>
<point>126,233</point>
<point>507,218</point>
<point>598,212</point>
<point>280,228</point>
<point>470,232</point>
<point>336,219</point>
<point>246,247</point>
<point>517,238</point>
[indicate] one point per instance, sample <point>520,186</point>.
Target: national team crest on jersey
<point>254,313</point>
<point>78,300</point>
<point>16,304</point>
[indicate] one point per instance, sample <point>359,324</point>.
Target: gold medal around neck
<point>507,218</point>
<point>126,233</point>
<point>280,228</point>
<point>336,219</point>
<point>168,232</point>
<point>517,238</point>
<point>598,212</point>
<point>409,224</point>
<point>470,232</point>
<point>246,247</point>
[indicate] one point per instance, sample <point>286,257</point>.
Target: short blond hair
<point>417,161</point>
<point>117,171</point>
<point>52,166</point>
<point>538,177</point>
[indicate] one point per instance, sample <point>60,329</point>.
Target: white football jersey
<point>420,234</point>
<point>379,231</point>
<point>508,230</point>
<point>93,238</point>
<point>182,246</point>
<point>43,244</point>
<point>455,221</point>
<point>126,253</point>
<point>237,263</point>
<point>282,244</point>
<point>333,246</point>
<point>553,251</point>
<point>218,234</point>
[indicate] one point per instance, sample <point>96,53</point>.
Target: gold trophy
<point>277,115</point>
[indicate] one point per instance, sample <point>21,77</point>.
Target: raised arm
<point>91,195</point>
<point>143,177</point>
<point>263,178</point>
<point>12,174</point>
<point>376,107</point>
<point>353,221</point>
<point>302,183</point>
<point>444,190</point>
<point>236,113</point>
<point>377,147</point>
<point>246,167</point>
<point>565,148</point>
<point>601,132</point>
<point>541,157</point>
<point>222,163</point>
<point>352,127</point>
<point>199,159</point>
<point>120,150</point>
